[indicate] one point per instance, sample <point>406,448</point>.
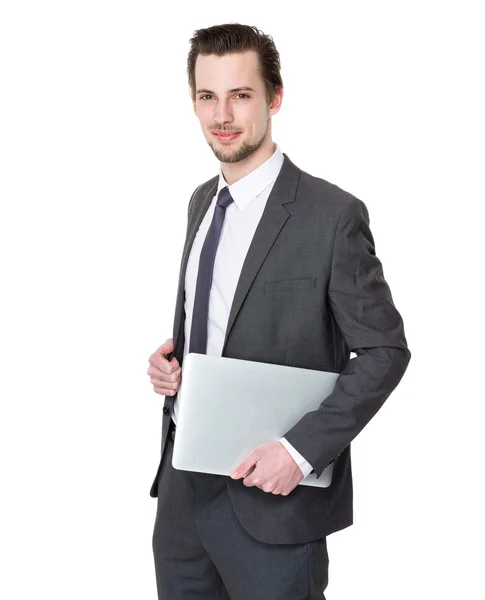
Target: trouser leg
<point>183,568</point>
<point>251,569</point>
<point>202,552</point>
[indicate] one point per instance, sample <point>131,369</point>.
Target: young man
<point>279,266</point>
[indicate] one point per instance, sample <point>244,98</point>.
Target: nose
<point>223,112</point>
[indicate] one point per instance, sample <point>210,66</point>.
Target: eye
<point>202,97</point>
<point>243,94</point>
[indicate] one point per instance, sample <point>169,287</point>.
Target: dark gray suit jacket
<point>311,291</point>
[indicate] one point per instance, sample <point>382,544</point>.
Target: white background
<point>100,152</point>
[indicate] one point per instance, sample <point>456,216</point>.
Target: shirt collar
<point>252,184</point>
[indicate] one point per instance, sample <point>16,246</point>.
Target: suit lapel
<point>272,220</point>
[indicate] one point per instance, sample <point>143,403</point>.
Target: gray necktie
<point>198,332</point>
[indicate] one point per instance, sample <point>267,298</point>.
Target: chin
<point>224,152</point>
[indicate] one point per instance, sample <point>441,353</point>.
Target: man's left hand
<point>275,470</point>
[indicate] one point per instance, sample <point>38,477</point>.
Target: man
<point>278,266</point>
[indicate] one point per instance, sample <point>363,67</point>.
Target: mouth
<point>226,136</point>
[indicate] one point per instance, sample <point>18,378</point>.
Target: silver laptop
<point>229,406</point>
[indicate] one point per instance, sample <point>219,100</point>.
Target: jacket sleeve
<point>364,311</point>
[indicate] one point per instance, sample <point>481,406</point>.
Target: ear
<point>275,105</point>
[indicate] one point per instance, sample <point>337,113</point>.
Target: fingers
<point>167,388</point>
<point>159,361</point>
<point>246,467</point>
<point>164,374</point>
<point>164,391</point>
<point>164,383</point>
<point>158,377</point>
<point>167,346</point>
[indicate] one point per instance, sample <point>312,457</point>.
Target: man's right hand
<point>164,374</point>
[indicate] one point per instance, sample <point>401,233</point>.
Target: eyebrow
<point>244,88</point>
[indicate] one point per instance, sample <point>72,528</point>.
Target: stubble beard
<point>234,156</point>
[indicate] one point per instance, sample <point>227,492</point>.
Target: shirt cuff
<point>304,465</point>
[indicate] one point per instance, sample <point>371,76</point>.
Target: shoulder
<point>203,188</point>
<point>329,199</point>
<point>328,192</point>
<point>201,191</point>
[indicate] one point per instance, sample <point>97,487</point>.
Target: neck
<point>235,171</point>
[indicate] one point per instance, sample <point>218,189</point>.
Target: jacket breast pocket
<point>290,285</point>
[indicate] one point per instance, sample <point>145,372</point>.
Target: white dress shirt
<point>242,216</point>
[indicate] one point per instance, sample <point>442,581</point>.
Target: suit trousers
<point>202,552</point>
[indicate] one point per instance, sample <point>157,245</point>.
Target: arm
<point>364,311</point>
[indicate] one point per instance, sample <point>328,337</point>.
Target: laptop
<point>228,406</point>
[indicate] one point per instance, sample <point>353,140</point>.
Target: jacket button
<point>165,410</point>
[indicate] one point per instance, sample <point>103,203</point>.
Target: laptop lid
<point>228,406</point>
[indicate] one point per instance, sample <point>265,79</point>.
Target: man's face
<point>220,107</point>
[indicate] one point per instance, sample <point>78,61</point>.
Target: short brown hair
<point>231,38</point>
